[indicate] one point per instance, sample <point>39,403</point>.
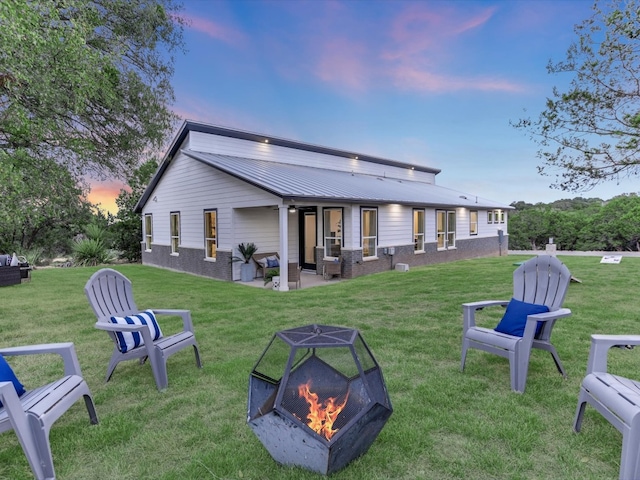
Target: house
<point>218,187</point>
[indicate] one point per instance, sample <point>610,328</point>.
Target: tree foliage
<point>41,206</point>
<point>589,133</point>
<point>128,226</point>
<point>84,91</point>
<point>86,82</point>
<point>578,224</point>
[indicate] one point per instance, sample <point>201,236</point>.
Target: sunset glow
<point>104,195</point>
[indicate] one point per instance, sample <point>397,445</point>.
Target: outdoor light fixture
<point>292,209</point>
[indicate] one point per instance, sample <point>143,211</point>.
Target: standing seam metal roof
<point>298,183</point>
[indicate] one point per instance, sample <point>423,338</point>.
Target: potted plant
<point>273,275</point>
<point>247,272</point>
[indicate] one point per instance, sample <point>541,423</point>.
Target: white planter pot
<point>276,283</point>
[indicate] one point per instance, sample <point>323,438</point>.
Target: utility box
<point>402,267</point>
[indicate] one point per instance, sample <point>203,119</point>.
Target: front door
<point>308,237</point>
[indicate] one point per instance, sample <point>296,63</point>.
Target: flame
<point>321,415</point>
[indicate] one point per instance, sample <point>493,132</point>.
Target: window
<point>332,232</point>
<point>446,228</point>
<point>210,233</point>
<point>418,230</point>
<point>495,216</point>
<point>148,231</point>
<point>369,232</point>
<point>473,222</point>
<point>175,231</point>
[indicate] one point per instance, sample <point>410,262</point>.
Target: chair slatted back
<point>110,294</point>
<point>542,280</point>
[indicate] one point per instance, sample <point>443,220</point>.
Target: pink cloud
<point>415,50</point>
<point>215,30</point>
<point>342,62</point>
<point>410,78</point>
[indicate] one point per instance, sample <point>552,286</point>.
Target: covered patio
<point>308,279</point>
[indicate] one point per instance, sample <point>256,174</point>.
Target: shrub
<point>92,252</point>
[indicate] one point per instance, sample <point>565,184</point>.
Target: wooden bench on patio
<point>260,259</point>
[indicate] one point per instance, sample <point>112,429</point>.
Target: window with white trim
<point>495,216</point>
<point>446,229</point>
<point>473,222</point>
<point>175,231</point>
<point>418,230</point>
<point>369,227</point>
<point>211,233</point>
<point>332,232</point>
<point>148,231</point>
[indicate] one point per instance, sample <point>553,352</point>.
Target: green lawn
<point>445,425</point>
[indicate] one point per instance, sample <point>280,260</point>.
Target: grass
<point>446,424</point>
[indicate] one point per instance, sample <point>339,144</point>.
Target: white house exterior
<point>218,187</point>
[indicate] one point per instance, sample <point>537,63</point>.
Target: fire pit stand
<point>317,398</point>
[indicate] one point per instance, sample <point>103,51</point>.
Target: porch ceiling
<point>298,183</point>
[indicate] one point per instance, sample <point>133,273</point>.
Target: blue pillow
<point>129,340</point>
<point>272,263</point>
<point>515,318</point>
<point>7,375</point>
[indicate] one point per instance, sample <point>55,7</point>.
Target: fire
<point>321,415</point>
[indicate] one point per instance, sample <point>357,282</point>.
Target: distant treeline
<point>580,224</point>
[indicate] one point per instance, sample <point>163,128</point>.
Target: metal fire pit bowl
<point>317,398</point>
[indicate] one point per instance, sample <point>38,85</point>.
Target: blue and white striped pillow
<point>129,340</point>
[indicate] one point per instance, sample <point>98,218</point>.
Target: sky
<point>436,83</point>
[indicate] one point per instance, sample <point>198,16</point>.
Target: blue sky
<point>430,82</point>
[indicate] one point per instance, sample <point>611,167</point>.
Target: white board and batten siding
<point>190,187</point>
<point>204,142</point>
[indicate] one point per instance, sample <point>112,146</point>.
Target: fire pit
<point>317,398</point>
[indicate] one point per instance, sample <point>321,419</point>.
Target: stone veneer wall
<point>190,260</point>
<point>354,266</point>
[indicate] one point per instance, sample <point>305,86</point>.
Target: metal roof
<point>295,183</point>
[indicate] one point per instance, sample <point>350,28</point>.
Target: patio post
<point>283,211</point>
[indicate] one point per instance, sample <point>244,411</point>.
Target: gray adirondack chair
<point>32,415</point>
<point>616,398</point>
<point>542,280</point>
<point>110,294</point>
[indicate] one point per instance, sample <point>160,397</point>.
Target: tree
<point>617,224</point>
<point>86,82</point>
<point>128,226</point>
<point>41,207</point>
<point>590,133</point>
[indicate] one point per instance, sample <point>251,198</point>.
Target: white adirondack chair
<point>32,415</point>
<point>110,295</point>
<point>542,280</point>
<point>616,398</point>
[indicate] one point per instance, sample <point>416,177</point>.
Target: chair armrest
<point>66,350</point>
<point>118,327</point>
<point>185,314</point>
<point>546,316</point>
<point>600,345</point>
<point>469,311</point>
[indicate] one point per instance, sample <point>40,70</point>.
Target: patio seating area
<point>308,279</point>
